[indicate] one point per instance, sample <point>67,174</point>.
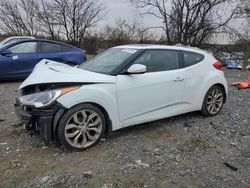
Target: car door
<point>155,94</point>
<point>20,60</point>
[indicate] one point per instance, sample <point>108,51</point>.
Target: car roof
<point>157,46</point>
<point>20,37</point>
<point>41,40</point>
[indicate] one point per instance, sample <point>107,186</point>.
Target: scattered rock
<point>107,185</point>
<point>128,167</point>
<point>233,144</point>
<point>3,143</point>
<point>103,140</point>
<point>45,179</point>
<point>44,147</point>
<point>157,151</point>
<point>139,162</point>
<point>87,175</point>
<point>15,163</point>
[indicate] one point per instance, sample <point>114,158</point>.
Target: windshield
<point>107,61</point>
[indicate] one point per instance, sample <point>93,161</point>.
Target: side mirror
<point>6,52</point>
<point>137,69</point>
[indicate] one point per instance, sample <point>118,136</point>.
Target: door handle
<point>179,79</point>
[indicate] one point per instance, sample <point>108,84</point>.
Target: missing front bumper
<point>42,121</point>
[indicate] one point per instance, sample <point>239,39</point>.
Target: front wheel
<point>81,127</point>
<point>213,101</point>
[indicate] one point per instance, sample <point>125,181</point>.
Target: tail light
<point>217,65</point>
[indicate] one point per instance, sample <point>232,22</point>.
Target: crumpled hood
<point>47,71</point>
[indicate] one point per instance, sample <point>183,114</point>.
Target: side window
<point>24,48</point>
<point>192,58</point>
<point>159,60</point>
<point>11,40</point>
<point>48,47</point>
<point>66,48</point>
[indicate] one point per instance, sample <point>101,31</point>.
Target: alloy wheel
<point>215,101</point>
<point>83,128</point>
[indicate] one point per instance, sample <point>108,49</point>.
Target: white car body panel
<point>101,94</point>
<point>200,78</point>
<point>136,98</point>
<point>149,96</point>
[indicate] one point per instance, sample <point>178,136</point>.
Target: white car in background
<point>240,66</point>
<point>123,86</point>
<point>14,39</point>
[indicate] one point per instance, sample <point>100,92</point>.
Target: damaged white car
<point>120,87</point>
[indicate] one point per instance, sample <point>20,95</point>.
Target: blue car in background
<point>18,59</point>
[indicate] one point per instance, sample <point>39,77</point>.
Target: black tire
<point>61,131</point>
<point>205,109</point>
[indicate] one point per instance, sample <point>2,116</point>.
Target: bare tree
<point>19,17</point>
<point>11,18</point>
<point>76,16</point>
<point>47,19</point>
<point>68,19</point>
<point>240,30</point>
<point>123,32</point>
<point>245,36</point>
<point>29,10</point>
<point>185,21</point>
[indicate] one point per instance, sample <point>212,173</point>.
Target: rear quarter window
<point>66,48</point>
<point>192,58</point>
<point>49,47</point>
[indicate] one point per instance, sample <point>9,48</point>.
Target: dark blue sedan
<point>18,59</point>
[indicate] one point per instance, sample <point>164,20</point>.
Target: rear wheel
<point>213,101</point>
<point>81,127</point>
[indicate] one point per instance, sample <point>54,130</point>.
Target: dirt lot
<point>184,151</point>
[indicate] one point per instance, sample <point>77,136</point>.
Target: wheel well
<point>224,91</point>
<point>108,120</point>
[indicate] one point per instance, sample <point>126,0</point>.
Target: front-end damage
<point>36,102</point>
<point>43,119</point>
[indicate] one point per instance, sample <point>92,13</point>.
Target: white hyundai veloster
<point>123,86</point>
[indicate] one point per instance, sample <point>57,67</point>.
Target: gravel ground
<point>184,151</point>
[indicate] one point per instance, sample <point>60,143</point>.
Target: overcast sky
<point>117,8</point>
<point>122,9</point>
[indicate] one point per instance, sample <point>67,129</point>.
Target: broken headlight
<point>45,98</point>
<point>40,99</point>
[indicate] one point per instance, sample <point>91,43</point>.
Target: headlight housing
<point>40,99</point>
<point>43,99</point>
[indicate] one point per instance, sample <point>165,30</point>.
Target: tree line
<point>190,22</point>
<point>57,19</point>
